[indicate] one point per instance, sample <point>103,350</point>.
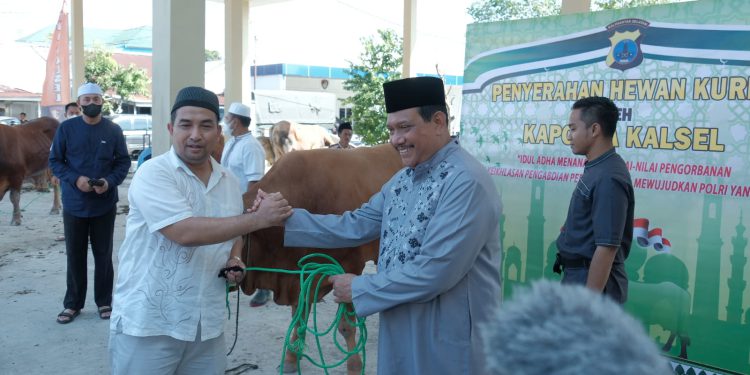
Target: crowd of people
<point>437,289</point>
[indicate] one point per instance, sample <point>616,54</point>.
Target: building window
<point>345,113</point>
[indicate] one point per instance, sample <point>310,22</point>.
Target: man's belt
<point>562,263</point>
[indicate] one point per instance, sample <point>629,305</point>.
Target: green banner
<point>680,75</point>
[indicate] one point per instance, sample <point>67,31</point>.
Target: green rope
<point>312,275</point>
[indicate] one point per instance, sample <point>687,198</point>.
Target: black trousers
<point>616,287</point>
<point>78,231</point>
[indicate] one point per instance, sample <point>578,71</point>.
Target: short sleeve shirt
<point>245,158</point>
<point>601,210</point>
<point>164,288</point>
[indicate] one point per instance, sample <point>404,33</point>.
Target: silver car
<point>5,120</point>
<point>137,131</point>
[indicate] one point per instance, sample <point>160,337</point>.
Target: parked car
<point>137,131</point>
<point>11,121</point>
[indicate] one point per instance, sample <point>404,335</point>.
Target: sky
<point>441,26</point>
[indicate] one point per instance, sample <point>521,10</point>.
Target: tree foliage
<point>618,4</point>
<point>380,62</point>
<point>124,82</point>
<point>212,55</point>
<point>504,10</point>
<point>100,67</point>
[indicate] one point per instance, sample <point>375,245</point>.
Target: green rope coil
<point>312,275</point>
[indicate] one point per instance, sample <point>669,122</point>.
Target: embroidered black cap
<point>197,97</point>
<point>413,92</point>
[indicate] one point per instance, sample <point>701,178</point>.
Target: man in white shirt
<point>184,227</point>
<point>244,156</point>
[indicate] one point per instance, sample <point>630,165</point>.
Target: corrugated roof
<point>137,38</point>
<point>7,92</point>
<point>140,61</point>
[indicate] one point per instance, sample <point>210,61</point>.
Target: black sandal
<point>66,314</point>
<point>103,310</point>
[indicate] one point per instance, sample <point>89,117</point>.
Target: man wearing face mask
<point>72,110</point>
<point>244,157</point>
<point>90,157</point>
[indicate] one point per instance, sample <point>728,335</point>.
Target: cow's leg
<point>41,182</point>
<point>15,198</point>
<point>290,358</point>
<point>55,196</point>
<point>354,363</point>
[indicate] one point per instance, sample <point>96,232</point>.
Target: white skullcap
<point>239,109</point>
<point>89,88</point>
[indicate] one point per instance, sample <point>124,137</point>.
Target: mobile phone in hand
<point>95,182</point>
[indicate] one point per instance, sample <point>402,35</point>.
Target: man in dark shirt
<point>596,238</point>
<point>90,158</point>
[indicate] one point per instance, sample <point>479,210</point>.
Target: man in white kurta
<point>437,219</point>
<point>160,301</point>
<point>184,226</point>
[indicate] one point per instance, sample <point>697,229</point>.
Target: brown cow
<point>267,149</point>
<point>24,152</point>
<point>307,180</point>
<point>289,136</point>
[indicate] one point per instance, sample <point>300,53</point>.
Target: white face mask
<point>227,129</point>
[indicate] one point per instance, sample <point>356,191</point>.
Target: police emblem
<point>625,50</point>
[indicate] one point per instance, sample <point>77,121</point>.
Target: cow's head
<point>281,143</point>
<point>267,149</point>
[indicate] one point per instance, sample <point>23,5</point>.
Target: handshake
<point>271,208</point>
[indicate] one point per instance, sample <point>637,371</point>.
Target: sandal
<point>105,310</point>
<point>69,317</point>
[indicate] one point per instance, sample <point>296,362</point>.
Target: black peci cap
<point>413,92</point>
<point>197,97</point>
